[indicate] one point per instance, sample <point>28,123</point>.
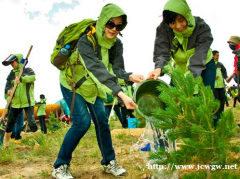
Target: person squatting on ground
<point>234,44</point>
<point>111,21</point>
<point>186,40</point>
<point>41,113</point>
<point>221,74</point>
<point>23,97</point>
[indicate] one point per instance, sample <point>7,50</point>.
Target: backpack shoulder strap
<point>91,38</point>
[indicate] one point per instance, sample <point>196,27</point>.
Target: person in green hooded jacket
<point>41,113</point>
<point>185,39</point>
<point>23,96</point>
<point>96,83</point>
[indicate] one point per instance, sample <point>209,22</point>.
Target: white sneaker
<point>114,169</point>
<point>62,172</point>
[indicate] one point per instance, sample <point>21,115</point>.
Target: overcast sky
<point>38,22</point>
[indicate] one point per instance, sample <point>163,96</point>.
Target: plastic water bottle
<point>65,50</point>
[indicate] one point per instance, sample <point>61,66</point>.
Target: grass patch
<point>121,136</point>
<point>86,158</point>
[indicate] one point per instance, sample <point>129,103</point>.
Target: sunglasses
<point>111,25</point>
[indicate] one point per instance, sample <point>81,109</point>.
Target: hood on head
<point>108,11</point>
<point>181,7</point>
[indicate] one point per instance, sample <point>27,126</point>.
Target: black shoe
<point>125,127</point>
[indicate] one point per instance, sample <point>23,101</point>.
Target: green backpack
<point>70,35</point>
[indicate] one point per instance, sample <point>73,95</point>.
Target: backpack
<point>70,35</point>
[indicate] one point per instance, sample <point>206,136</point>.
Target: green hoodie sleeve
<point>28,76</point>
<point>116,59</point>
<point>95,66</point>
<point>8,86</point>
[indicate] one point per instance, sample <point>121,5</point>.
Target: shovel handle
<point>15,84</point>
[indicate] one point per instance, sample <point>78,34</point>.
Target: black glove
<point>120,102</point>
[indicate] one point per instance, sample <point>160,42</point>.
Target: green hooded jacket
<point>92,71</point>
<point>120,82</point>
<point>24,94</point>
<point>41,107</point>
<point>190,50</point>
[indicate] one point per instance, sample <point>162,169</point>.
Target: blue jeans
<point>81,121</point>
<point>17,129</point>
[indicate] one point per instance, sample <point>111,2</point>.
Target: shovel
<point>13,90</point>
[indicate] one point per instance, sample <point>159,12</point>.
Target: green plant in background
<point>142,121</point>
<point>43,174</point>
<point>135,123</point>
<point>6,155</point>
<point>121,136</point>
<point>54,123</point>
<point>40,139</point>
<point>190,118</point>
<point>28,141</point>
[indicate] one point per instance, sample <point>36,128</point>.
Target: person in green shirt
<point>221,74</point>
<point>90,95</point>
<point>185,39</point>
<point>23,98</point>
<point>41,113</point>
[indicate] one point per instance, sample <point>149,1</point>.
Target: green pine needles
<point>189,119</point>
<point>54,123</point>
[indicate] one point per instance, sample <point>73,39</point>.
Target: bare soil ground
<point>84,169</point>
